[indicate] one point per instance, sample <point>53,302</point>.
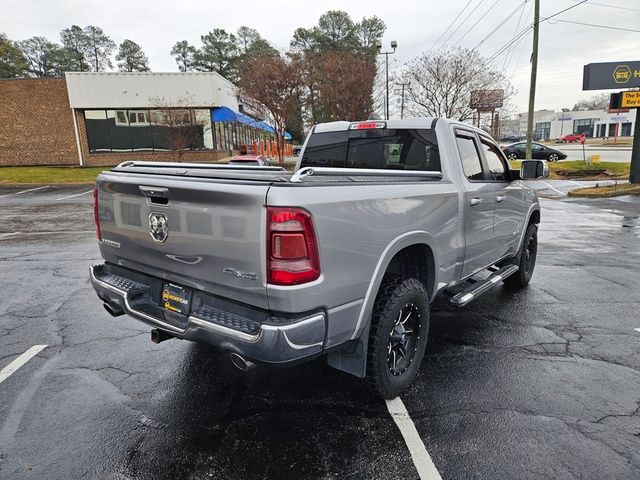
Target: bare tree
<point>595,102</point>
<point>346,85</point>
<point>176,125</point>
<point>275,83</point>
<point>441,83</point>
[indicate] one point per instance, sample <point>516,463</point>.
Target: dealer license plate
<point>176,298</point>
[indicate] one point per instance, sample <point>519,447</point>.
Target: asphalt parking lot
<point>543,383</point>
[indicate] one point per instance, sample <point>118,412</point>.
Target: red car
<point>572,137</point>
<point>249,160</point>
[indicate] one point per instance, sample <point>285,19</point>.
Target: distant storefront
<point>106,118</point>
<point>549,124</point>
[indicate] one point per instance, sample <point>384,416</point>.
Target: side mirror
<point>534,169</point>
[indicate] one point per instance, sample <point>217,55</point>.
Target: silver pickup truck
<point>340,258</point>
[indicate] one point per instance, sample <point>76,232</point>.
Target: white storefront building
<point>549,124</point>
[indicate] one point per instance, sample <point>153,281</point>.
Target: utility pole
<point>403,85</point>
<point>534,75</point>
<point>394,45</point>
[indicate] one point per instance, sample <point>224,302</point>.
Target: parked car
<point>511,138</point>
<point>572,137</point>
<point>341,258</point>
<point>538,151</point>
<point>253,160</point>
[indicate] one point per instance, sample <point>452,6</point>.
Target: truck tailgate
<point>199,233</point>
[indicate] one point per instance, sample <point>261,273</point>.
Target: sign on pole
<point>486,99</point>
<point>601,76</point>
<point>630,100</point>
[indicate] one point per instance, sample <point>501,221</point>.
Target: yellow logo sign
<point>630,100</point>
<point>622,74</point>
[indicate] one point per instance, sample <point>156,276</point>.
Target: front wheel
<point>527,259</point>
<point>512,156</point>
<point>554,157</point>
<point>398,335</point>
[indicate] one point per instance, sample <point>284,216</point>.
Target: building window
<point>625,129</point>
<point>141,130</point>
<point>542,131</point>
<point>584,125</point>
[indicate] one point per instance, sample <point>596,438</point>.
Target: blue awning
<point>225,114</point>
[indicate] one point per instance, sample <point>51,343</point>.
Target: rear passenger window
<point>470,157</point>
<point>497,168</point>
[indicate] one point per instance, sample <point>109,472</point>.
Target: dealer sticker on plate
<point>176,298</point>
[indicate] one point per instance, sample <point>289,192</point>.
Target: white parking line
<point>7,371</point>
<point>421,458</point>
<point>554,188</point>
<point>24,191</point>
<point>76,195</point>
<point>637,330</point>
<point>577,183</point>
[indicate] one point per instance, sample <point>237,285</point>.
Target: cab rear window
<point>386,149</point>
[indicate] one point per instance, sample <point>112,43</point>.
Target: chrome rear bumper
<point>256,334</point>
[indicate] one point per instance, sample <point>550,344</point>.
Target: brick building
<point>101,118</point>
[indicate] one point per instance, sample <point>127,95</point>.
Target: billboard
<point>486,99</point>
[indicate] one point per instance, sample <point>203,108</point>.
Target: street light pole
<point>394,45</point>
<point>534,74</point>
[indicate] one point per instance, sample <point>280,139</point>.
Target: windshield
<point>387,149</point>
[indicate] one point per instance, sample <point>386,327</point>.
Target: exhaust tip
<point>113,309</point>
<point>240,362</point>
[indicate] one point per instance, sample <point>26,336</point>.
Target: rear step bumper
<point>253,333</point>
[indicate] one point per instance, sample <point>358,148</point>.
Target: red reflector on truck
<point>292,252</point>
<point>96,216</point>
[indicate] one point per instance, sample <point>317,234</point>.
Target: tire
<point>554,157</point>
<point>512,156</point>
<point>389,372</point>
<point>526,259</point>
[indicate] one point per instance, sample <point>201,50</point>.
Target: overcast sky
<point>414,24</point>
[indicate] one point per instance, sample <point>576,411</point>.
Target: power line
<point>464,21</point>
<point>477,21</point>
<point>451,24</point>
<point>594,25</point>
<point>614,6</point>
<point>510,54</point>
<point>505,47</point>
<point>521,6</point>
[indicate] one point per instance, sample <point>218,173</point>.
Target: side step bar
<point>476,289</point>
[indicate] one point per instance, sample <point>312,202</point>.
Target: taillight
<point>292,252</point>
<point>96,217</point>
<point>367,125</point>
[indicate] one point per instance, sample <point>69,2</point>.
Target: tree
<point>275,83</point>
<point>596,102</point>
<point>75,43</point>
<point>251,44</point>
<point>184,54</point>
<point>176,125</point>
<point>43,56</point>
<point>12,62</point>
<point>131,57</point>
<point>219,53</point>
<point>98,48</point>
<point>441,83</point>
<point>335,32</point>
<point>346,86</point>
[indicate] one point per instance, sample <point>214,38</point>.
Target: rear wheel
<point>398,335</point>
<point>527,259</point>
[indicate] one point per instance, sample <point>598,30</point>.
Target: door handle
<point>475,201</point>
<point>500,198</point>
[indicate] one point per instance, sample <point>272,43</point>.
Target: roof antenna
<point>374,116</point>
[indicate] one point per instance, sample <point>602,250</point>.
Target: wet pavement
<point>542,383</point>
